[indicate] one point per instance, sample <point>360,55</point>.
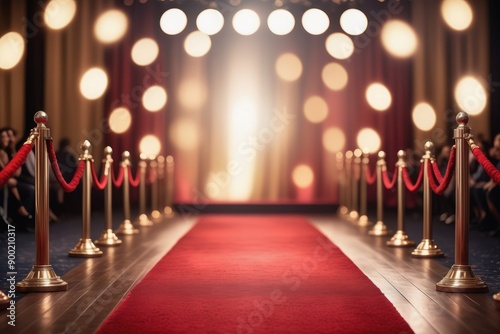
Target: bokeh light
<point>470,95</point>
<point>11,50</point>
<point>154,98</point>
<point>173,21</point>
<point>197,44</point>
<point>334,139</point>
<point>93,83</point>
<point>303,176</point>
<point>288,67</point>
<point>58,14</point>
<point>111,26</point>
<point>120,120</point>
<point>334,76</point>
<point>150,145</point>
<point>424,116</point>
<point>353,21</point>
<point>399,38</point>
<point>210,21</point>
<point>280,22</point>
<point>339,45</point>
<point>368,139</point>
<point>378,96</point>
<point>457,14</point>
<point>246,22</point>
<point>192,94</point>
<point>315,109</point>
<point>184,133</point>
<point>315,21</point>
<point>145,51</point>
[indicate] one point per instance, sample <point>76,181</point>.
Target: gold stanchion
<point>380,229</point>
<point>162,190</point>
<point>155,213</point>
<point>85,247</point>
<point>427,248</point>
<point>401,239</point>
<point>363,218</point>
<point>108,237</point>
<point>143,219</point>
<point>356,168</point>
<point>4,301</point>
<point>126,227</point>
<point>169,198</point>
<point>341,177</point>
<point>496,296</point>
<point>460,277</point>
<point>348,180</point>
<point>42,277</point>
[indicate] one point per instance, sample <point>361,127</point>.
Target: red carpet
<point>255,274</point>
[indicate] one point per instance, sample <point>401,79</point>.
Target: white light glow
<point>334,140</point>
<point>303,176</point>
<point>470,95</point>
<point>288,67</point>
<point>424,116</point>
<point>280,22</point>
<point>11,50</point>
<point>210,21</point>
<point>353,21</point>
<point>120,120</point>
<point>93,83</point>
<point>339,45</point>
<point>58,14</point>
<point>315,109</point>
<point>457,14</point>
<point>154,98</point>
<point>399,38</point>
<point>145,51</point>
<point>315,21</point>
<point>334,76</point>
<point>197,44</point>
<point>173,21</point>
<point>150,145</point>
<point>368,139</point>
<point>246,22</point>
<point>378,96</point>
<point>111,26</point>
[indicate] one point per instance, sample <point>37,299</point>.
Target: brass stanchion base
<point>460,278</point>
<point>364,221</point>
<point>354,215</point>
<point>85,248</point>
<point>42,278</point>
<point>169,212</point>
<point>379,229</point>
<point>427,249</point>
<point>496,296</point>
<point>4,301</point>
<point>156,216</point>
<point>400,239</point>
<point>144,220</point>
<point>108,238</point>
<point>127,228</point>
<point>342,210</point>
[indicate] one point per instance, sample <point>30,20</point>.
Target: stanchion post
<point>341,177</point>
<point>400,239</point>
<point>363,217</point>
<point>85,247</point>
<point>169,198</point>
<point>42,277</point>
<point>126,227</point>
<point>348,181</point>
<point>143,219</point>
<point>162,190</point>
<point>380,229</point>
<point>153,167</point>
<point>108,237</point>
<point>427,247</point>
<point>460,277</point>
<point>356,168</point>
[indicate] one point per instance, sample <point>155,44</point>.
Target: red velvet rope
<point>370,179</point>
<point>437,172</point>
<point>134,182</point>
<point>67,187</point>
<point>15,163</point>
<point>118,181</point>
<point>489,168</point>
<point>450,168</point>
<point>406,177</point>
<point>99,184</point>
<point>388,183</point>
<point>432,181</point>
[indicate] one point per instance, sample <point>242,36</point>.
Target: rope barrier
<point>438,189</point>
<point>67,187</point>
<point>489,168</point>
<point>388,183</point>
<point>118,181</point>
<point>370,179</point>
<point>134,182</point>
<point>15,163</point>
<point>99,184</point>
<point>450,168</point>
<point>406,177</point>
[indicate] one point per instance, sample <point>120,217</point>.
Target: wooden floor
<point>97,285</point>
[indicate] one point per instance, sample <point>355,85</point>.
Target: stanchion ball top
<point>429,146</point>
<point>85,145</point>
<point>108,150</point>
<point>462,118</point>
<point>125,155</point>
<point>401,154</point>
<point>40,117</point>
<point>381,155</point>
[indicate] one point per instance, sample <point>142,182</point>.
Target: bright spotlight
<point>424,116</point>
<point>378,96</point>
<point>368,139</point>
<point>150,145</point>
<point>339,45</point>
<point>93,83</point>
<point>197,44</point>
<point>303,176</point>
<point>315,109</point>
<point>280,22</point>
<point>120,120</point>
<point>353,21</point>
<point>246,22</point>
<point>145,51</point>
<point>58,14</point>
<point>399,38</point>
<point>457,14</point>
<point>154,98</point>
<point>334,76</point>
<point>470,95</point>
<point>288,67</point>
<point>334,139</point>
<point>173,21</point>
<point>111,26</point>
<point>11,50</point>
<point>315,21</point>
<point>210,21</point>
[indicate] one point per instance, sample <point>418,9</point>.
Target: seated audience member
<point>492,190</point>
<point>447,199</point>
